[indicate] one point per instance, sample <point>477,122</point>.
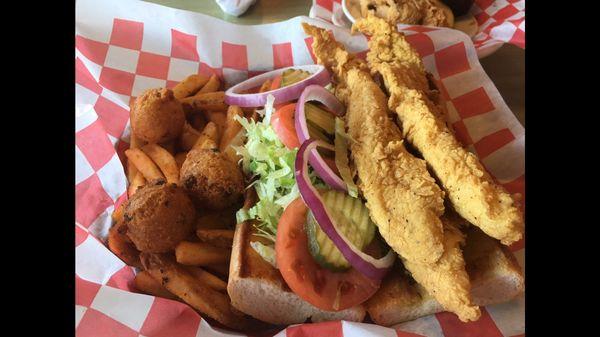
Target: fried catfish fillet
<point>470,189</point>
<point>403,199</point>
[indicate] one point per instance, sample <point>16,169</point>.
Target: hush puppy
<point>156,116</point>
<point>212,181</point>
<point>158,217</point>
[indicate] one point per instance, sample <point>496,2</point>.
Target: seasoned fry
<point>200,254</point>
<point>165,161</point>
<point>198,121</point>
<point>137,182</point>
<point>119,245</point>
<point>190,85</point>
<point>147,284</point>
<point>208,138</point>
<point>144,164</point>
<point>219,118</point>
<point>208,101</point>
<point>134,143</point>
<point>222,238</point>
<point>189,136</point>
<point>180,158</point>
<point>197,294</point>
<point>213,84</point>
<point>207,278</point>
<point>232,127</point>
<point>238,140</point>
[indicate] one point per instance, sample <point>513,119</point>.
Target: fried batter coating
<point>156,116</point>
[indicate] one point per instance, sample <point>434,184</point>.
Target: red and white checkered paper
<point>124,47</point>
<point>500,21</point>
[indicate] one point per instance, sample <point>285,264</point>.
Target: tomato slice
<point>276,82</point>
<point>323,288</point>
<point>282,122</point>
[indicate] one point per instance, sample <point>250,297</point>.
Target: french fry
<point>232,127</point>
<point>147,284</point>
<point>200,254</point>
<point>213,84</point>
<point>198,121</point>
<point>195,293</point>
<point>134,143</point>
<point>222,238</point>
<point>219,118</point>
<point>230,152</point>
<point>207,278</point>
<point>207,101</point>
<point>190,85</point>
<point>169,146</point>
<point>219,269</point>
<point>180,158</point>
<point>189,136</point>
<point>144,164</point>
<point>126,251</point>
<point>137,182</point>
<point>208,138</point>
<point>165,161</point>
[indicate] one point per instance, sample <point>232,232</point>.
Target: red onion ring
<point>319,94</point>
<point>319,75</point>
<point>369,266</point>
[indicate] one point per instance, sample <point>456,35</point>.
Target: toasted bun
<point>259,290</point>
<point>493,270</point>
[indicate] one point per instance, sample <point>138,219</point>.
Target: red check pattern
<point>113,70</point>
<point>500,21</point>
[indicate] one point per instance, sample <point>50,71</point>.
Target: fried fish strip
<point>470,189</point>
<point>403,199</point>
<point>447,279</point>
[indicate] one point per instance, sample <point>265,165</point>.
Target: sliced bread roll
<point>258,289</point>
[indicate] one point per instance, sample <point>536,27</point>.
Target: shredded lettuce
<point>266,252</point>
<point>271,164</point>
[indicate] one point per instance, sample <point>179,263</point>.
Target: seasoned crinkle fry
<point>222,238</point>
<point>195,293</point>
<point>207,278</point>
<point>144,164</point>
<point>209,101</point>
<point>213,84</point>
<point>200,254</point>
<point>147,284</point>
<point>469,187</point>
<point>190,85</point>
<point>165,161</point>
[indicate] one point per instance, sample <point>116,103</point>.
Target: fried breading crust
<point>403,199</point>
<point>470,189</point>
<point>447,280</point>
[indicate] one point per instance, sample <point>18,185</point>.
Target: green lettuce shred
<point>271,164</point>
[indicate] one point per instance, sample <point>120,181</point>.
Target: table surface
<point>506,67</point>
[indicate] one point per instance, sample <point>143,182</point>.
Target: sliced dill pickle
<point>325,120</point>
<point>292,76</point>
<point>353,221</point>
